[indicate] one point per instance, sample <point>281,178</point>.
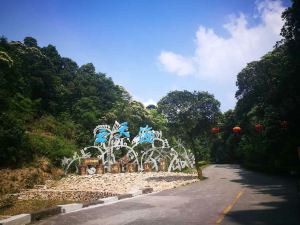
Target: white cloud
<point>220,59</point>
<point>175,63</point>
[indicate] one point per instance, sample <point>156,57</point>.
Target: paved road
<point>230,195</point>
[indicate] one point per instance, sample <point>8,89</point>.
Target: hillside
<point>49,105</point>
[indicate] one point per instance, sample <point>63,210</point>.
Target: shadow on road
<point>277,204</point>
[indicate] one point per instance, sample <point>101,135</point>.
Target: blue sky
<point>152,47</point>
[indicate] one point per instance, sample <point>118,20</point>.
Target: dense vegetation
<point>49,106</point>
<point>268,94</point>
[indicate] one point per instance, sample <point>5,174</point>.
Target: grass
<point>28,206</point>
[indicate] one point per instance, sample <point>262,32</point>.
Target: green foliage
<point>268,106</point>
<point>13,141</point>
<point>30,42</point>
<point>190,116</point>
<point>189,113</point>
<point>49,106</point>
<point>268,93</point>
<point>291,27</point>
<point>52,147</point>
<point>5,60</point>
<point>158,121</point>
<point>150,107</point>
<point>62,126</point>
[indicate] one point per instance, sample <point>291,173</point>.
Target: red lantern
<point>236,129</point>
<point>259,127</point>
<point>215,130</point>
<point>284,124</point>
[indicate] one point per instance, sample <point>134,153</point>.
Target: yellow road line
<point>229,206</point>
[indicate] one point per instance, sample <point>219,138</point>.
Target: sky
<point>152,47</point>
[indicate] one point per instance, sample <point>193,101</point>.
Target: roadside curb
<point>23,219</point>
<point>136,193</point>
<point>124,196</point>
<point>17,220</point>
<point>45,213</point>
<point>96,202</point>
<point>70,207</point>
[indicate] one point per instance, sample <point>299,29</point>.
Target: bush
<point>32,180</point>
<point>49,125</point>
<point>14,151</point>
<point>44,164</point>
<point>52,147</point>
<point>7,201</point>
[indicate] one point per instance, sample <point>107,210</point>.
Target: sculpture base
<point>115,168</point>
<point>131,167</point>
<point>147,167</point>
<point>82,170</point>
<point>99,169</point>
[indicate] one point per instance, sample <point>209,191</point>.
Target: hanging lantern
<point>215,130</point>
<point>259,127</point>
<point>236,130</point>
<point>284,124</point>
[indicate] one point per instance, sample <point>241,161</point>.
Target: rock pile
<point>91,187</point>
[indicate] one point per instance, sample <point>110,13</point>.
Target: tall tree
<point>268,93</point>
<point>190,116</point>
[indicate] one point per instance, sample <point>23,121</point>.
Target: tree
<point>291,28</point>
<point>151,106</point>
<point>268,93</point>
<point>30,42</point>
<point>190,116</point>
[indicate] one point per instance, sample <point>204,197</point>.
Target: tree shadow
<point>276,213</point>
<point>278,203</point>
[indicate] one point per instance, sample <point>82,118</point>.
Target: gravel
<point>91,187</point>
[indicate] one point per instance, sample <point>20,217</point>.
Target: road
<point>229,196</point>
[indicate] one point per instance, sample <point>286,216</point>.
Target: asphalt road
<point>230,195</point>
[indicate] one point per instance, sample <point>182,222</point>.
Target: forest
<point>49,106</point>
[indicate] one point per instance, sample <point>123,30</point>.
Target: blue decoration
<point>146,135</point>
<point>123,130</point>
<point>102,136</point>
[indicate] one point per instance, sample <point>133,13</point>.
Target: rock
<point>92,187</point>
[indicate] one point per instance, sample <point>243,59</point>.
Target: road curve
<point>230,195</point>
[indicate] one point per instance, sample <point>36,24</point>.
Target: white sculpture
<point>109,140</point>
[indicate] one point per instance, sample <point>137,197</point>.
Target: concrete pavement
<point>230,195</point>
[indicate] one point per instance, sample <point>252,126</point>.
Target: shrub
<point>13,142</point>
<point>7,201</point>
<point>32,180</point>
<point>53,147</point>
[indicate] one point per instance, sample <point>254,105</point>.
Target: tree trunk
<point>197,159</point>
